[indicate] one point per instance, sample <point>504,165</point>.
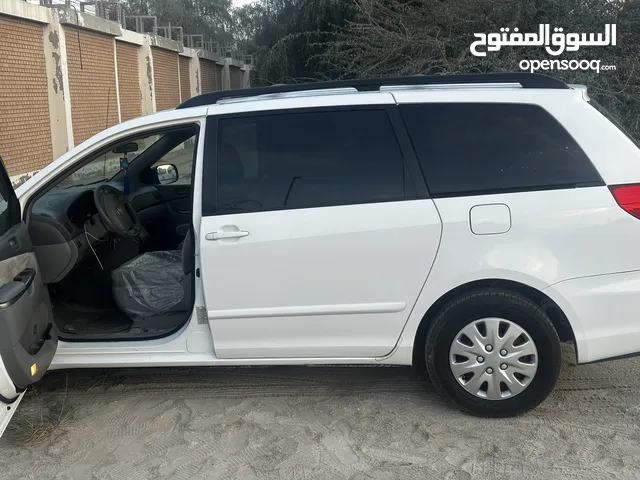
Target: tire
<point>491,307</point>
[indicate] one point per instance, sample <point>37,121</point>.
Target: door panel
<point>28,335</point>
<point>322,282</point>
<point>178,200</point>
<point>162,209</point>
<point>316,235</point>
<point>7,412</point>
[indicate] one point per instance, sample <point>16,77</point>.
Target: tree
<point>211,18</point>
<point>293,35</point>
<point>407,37</point>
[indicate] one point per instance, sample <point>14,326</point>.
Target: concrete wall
<point>65,77</point>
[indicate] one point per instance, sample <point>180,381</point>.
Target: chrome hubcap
<point>493,358</point>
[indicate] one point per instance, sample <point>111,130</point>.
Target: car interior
<point>112,239</point>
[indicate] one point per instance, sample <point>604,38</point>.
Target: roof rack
<point>526,80</point>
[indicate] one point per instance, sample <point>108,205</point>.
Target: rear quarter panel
<point>556,236</point>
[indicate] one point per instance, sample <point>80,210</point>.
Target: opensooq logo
<point>554,43</point>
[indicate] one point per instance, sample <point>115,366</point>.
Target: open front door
<point>28,336</point>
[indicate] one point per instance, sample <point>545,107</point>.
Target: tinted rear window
<point>485,148</point>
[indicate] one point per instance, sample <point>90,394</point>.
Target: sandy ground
<point>316,423</point>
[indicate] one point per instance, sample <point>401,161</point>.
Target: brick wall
<point>93,88</point>
<point>236,77</point>
<point>25,134</point>
<point>128,80</point>
<point>185,83</point>
<point>219,69</point>
<point>38,119</point>
<point>165,71</point>
<point>208,73</point>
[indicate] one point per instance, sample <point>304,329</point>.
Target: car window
<point>181,157</point>
<point>302,160</point>
<point>106,166</point>
<point>478,148</point>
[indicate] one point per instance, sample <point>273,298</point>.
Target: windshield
<point>107,165</point>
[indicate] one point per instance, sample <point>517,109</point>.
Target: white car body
<point>577,246</point>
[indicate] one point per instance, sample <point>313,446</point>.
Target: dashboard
<point>57,229</point>
<point>64,225</point>
<point>83,208</point>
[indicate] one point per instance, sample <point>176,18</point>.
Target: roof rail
<point>526,80</point>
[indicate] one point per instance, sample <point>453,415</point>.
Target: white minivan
<point>465,225</point>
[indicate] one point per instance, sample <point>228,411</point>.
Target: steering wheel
<point>116,212</point>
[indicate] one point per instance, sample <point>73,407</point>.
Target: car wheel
<point>494,352</point>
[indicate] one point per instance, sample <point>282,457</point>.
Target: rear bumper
<point>604,312</point>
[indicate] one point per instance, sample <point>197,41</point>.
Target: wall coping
<point>69,16</point>
<point>207,55</point>
<point>236,63</point>
<point>26,11</point>
<point>129,36</point>
<point>189,52</point>
<point>165,43</point>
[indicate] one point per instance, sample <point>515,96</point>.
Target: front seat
<point>156,283</point>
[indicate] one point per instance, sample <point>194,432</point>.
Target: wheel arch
<point>558,318</point>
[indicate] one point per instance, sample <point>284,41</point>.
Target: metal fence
<point>117,11</point>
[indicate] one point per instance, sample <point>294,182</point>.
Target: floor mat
<point>78,321</point>
<point>86,322</point>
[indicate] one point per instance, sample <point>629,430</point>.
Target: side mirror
<point>125,148</point>
<point>166,174</point>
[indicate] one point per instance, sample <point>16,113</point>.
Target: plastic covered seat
<point>155,283</point>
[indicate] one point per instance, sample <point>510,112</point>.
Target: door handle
<point>226,234</point>
<point>11,292</point>
<point>26,276</point>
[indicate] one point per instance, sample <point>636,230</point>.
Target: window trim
<point>210,202</point>
<point>504,190</point>
<point>12,212</point>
